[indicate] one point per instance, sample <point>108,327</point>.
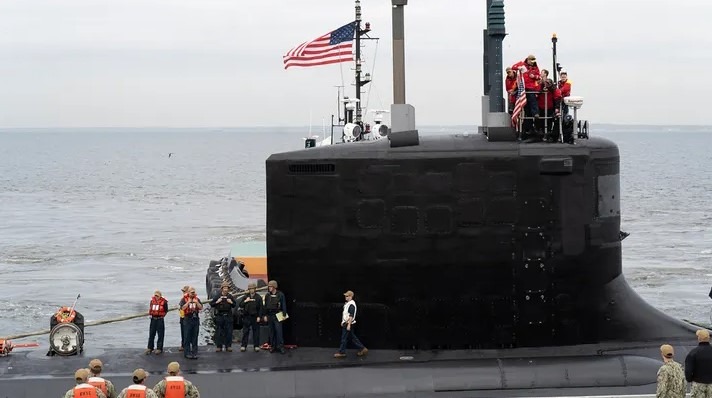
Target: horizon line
<point>307,127</point>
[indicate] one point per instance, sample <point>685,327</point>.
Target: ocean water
<point>107,214</point>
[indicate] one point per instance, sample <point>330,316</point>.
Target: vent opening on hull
<point>312,168</point>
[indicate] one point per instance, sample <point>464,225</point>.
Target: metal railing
<point>580,127</point>
<point>545,118</point>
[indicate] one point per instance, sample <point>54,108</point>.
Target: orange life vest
<point>98,382</point>
<point>136,391</point>
<point>192,307</point>
<point>175,387</point>
<point>85,391</point>
<point>157,307</point>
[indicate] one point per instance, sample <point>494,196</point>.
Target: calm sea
<point>107,214</point>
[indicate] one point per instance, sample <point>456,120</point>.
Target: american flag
<point>521,99</point>
<point>331,48</point>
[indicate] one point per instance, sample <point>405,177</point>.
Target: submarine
<point>527,235</point>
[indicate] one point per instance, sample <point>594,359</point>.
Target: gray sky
<point>194,63</point>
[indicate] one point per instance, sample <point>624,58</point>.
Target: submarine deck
<point>446,145</point>
<point>611,368</point>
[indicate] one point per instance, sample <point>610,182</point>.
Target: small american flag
<point>331,48</point>
<point>521,99</point>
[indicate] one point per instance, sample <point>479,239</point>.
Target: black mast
<point>495,35</point>
<point>554,71</point>
<point>359,83</point>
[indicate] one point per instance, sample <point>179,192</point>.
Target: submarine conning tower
<point>454,242</point>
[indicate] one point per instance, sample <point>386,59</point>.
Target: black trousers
<point>192,328</point>
<point>531,109</point>
<point>249,322</point>
<point>223,330</point>
<point>158,326</point>
<point>182,332</point>
<point>275,331</point>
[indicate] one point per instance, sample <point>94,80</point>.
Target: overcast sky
<point>218,63</point>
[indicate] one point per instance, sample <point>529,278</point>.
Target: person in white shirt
<point>348,320</point>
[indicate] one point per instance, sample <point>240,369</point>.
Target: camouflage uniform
<point>700,390</point>
<point>149,393</point>
<point>671,381</point>
<point>70,393</point>
<point>110,389</point>
<point>191,391</point>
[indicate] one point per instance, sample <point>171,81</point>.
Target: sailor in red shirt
<point>549,99</point>
<point>157,309</point>
<point>532,76</point>
<point>549,105</point>
<point>510,85</point>
<point>565,87</point>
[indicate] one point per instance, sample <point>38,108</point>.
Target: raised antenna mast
<point>402,114</point>
<point>359,81</point>
<point>358,59</point>
<point>399,51</point>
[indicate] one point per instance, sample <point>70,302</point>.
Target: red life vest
<point>192,307</point>
<point>136,391</point>
<point>85,391</point>
<point>157,307</point>
<point>175,387</point>
<point>98,382</point>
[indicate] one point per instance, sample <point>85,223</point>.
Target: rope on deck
<point>110,320</point>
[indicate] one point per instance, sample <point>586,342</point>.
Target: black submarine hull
<point>600,369</point>
<point>456,243</point>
